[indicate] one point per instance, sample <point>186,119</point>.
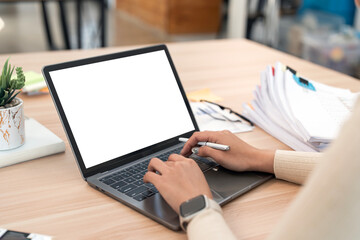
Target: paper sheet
<point>320,113</point>
<point>209,123</point>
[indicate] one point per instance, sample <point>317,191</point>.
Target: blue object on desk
<point>304,83</point>
<point>343,8</point>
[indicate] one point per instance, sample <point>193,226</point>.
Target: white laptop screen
<point>119,106</point>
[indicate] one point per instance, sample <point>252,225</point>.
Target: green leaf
<point>8,85</point>
<point>4,75</point>
<point>11,93</point>
<point>10,99</point>
<point>5,67</point>
<point>20,74</point>
<point>4,94</point>
<point>1,80</point>
<point>9,76</point>
<point>16,84</point>
<point>13,83</point>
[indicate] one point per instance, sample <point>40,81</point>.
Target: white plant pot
<point>12,127</point>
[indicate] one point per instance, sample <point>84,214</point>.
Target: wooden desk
<point>48,195</point>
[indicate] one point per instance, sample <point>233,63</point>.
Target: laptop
<point>121,110</point>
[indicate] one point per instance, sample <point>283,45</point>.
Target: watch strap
<point>210,204</point>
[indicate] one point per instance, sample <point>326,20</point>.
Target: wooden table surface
<point>48,195</point>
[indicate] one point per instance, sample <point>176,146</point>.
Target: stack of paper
<point>301,113</point>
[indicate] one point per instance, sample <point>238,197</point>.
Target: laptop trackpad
<point>227,183</point>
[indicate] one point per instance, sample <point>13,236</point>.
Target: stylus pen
<point>209,144</point>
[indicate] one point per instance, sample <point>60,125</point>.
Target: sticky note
<point>203,94</point>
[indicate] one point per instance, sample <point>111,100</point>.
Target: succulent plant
<point>9,86</point>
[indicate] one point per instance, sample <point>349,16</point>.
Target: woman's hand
<point>178,179</point>
<point>240,157</point>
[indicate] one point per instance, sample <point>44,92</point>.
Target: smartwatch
<point>194,206</point>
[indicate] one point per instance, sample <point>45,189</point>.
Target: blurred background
<point>322,31</point>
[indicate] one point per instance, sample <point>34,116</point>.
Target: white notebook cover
<point>39,142</point>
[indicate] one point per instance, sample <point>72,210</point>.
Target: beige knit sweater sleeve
<point>288,165</point>
<point>295,166</point>
<point>328,207</point>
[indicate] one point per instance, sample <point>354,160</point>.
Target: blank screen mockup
<point>119,106</point>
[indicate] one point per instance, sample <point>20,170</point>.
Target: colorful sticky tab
<point>304,83</point>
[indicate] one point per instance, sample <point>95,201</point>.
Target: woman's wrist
<point>263,161</point>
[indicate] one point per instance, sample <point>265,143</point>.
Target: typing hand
<point>178,179</point>
<point>240,157</point>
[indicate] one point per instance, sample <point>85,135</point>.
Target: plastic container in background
<point>293,29</point>
<point>343,8</point>
<point>338,51</point>
<point>322,38</point>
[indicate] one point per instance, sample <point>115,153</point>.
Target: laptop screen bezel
<point>119,161</point>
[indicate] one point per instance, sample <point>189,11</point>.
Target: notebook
<point>121,110</point>
<point>39,142</point>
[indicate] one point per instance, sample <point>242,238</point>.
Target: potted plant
<point>12,121</point>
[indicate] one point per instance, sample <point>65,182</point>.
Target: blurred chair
<point>64,23</point>
<point>263,21</point>
<point>1,24</point>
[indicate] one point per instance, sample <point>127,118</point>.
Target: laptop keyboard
<point>130,180</point>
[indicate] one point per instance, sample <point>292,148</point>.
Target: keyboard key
<point>118,178</point>
<point>138,176</point>
<point>139,197</point>
<point>133,171</point>
<point>118,184</point>
<point>136,191</point>
<point>154,189</point>
<point>143,167</point>
<point>163,157</point>
<point>109,181</point>
<point>125,175</point>
<point>127,188</point>
<point>129,180</point>
<point>148,193</point>
<point>149,185</point>
<point>105,178</point>
<point>138,182</point>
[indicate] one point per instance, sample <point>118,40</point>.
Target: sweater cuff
<point>295,166</point>
<point>209,224</point>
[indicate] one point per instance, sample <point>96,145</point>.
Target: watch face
<point>192,206</point>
